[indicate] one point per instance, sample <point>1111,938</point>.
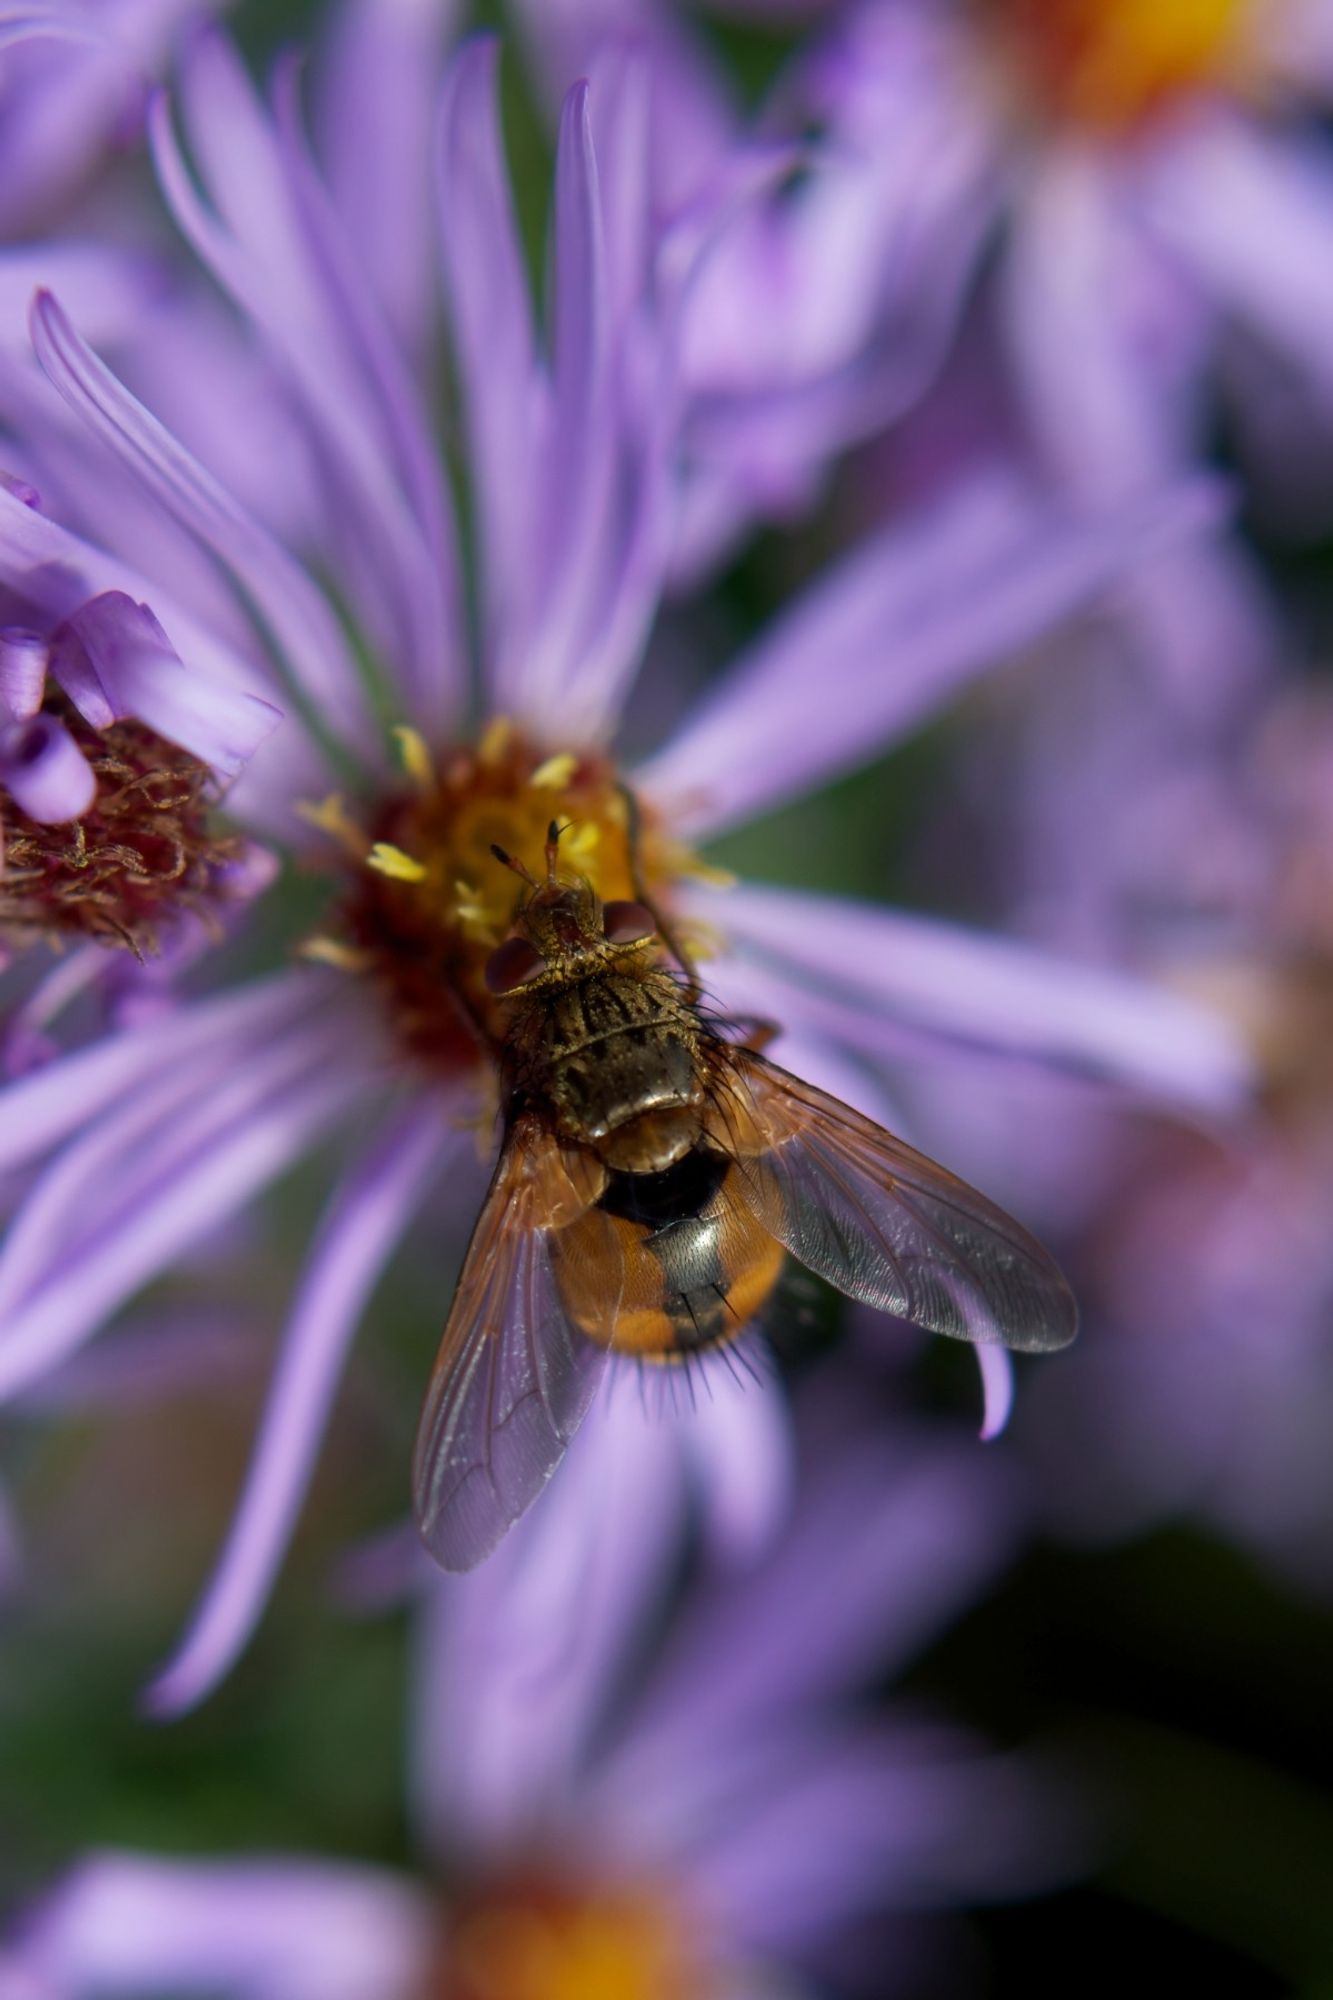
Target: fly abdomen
<point>682,1216</point>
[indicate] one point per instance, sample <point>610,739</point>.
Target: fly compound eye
<point>513,965</point>
<point>626,923</point>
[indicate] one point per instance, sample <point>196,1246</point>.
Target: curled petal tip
<point>997,1389</point>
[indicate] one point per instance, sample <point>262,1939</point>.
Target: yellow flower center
<point>1109,65</point>
<point>429,902</point>
<point>539,1943</point>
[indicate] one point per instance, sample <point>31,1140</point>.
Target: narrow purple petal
<point>25,1043</point>
<point>693,118</point>
<point>44,770</point>
<point>42,1109</point>
<point>372,1208</point>
<point>374,119</point>
<point>578,455</point>
<point>880,969</point>
<point>427,649</point>
<point>299,615</point>
<point>273,244</point>
<point>266,1929</point>
<point>898,628</point>
<point>490,313</point>
<point>22,671</point>
<point>152,1180</point>
<point>997,1388</point>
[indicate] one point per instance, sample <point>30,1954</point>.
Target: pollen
<point>556,772</point>
<point>1111,65</point>
<point>426,901</point>
<point>416,757</point>
<point>141,856</point>
<point>399,867</point>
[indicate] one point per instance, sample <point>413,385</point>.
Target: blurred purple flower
<point>1207,1386</point>
<point>1138,199</point>
<point>709,1818</point>
<point>138,1145</point>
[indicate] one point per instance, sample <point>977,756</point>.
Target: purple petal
<point>375,115</point>
<point>153,1179</point>
<point>877,1559</point>
<point>693,118</point>
<point>522,1653</point>
<point>374,1205</point>
<point>22,671</point>
<point>848,1824</point>
<point>276,249</point>
<point>1105,338</point>
<point>740,1442</point>
<point>896,630</point>
<point>1250,217</point>
<point>300,617</point>
<point>57,571</point>
<point>575,472</point>
<point>46,773</point>
<point>269,1929</point>
<point>427,649</point>
<point>108,290</point>
<point>869,969</point>
<point>143,675</point>
<point>490,314</point>
<point>41,1110</point>
<point>1109,347</point>
<point>64,106</point>
<point>25,1042</point>
<point>997,1387</point>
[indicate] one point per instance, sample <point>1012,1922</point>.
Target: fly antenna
<point>553,833</point>
<point>508,860</point>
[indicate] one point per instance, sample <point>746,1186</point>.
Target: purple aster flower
<point>711,1828</point>
<point>135,1147</point>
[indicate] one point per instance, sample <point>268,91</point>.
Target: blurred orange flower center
<point>540,1944</point>
<point>1110,64</point>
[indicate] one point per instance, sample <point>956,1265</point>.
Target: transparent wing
<point>513,1379</point>
<point>882,1222</point>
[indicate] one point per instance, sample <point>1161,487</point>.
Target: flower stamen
<point>138,855</point>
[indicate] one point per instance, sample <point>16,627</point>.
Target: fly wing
<point>883,1223</point>
<point>513,1378</point>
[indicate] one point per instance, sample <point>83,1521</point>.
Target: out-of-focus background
<point>1161,1641</point>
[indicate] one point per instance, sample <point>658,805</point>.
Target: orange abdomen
<point>668,1264</point>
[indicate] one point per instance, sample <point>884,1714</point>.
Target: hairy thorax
<point>615,1060</point>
